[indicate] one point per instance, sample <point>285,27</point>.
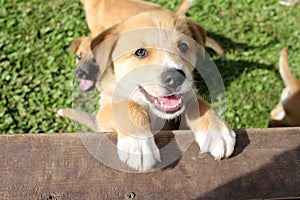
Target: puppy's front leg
<point>211,133</point>
<point>136,145</point>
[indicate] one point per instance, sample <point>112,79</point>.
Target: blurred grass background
<point>37,68</point>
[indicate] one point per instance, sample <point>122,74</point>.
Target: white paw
<point>218,142</point>
<point>140,153</point>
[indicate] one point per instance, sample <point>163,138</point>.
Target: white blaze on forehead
<point>159,29</point>
<point>168,60</point>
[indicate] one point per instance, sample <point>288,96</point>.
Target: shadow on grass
<point>231,70</point>
<point>228,44</point>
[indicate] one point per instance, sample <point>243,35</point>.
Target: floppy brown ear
<point>102,47</point>
<point>75,44</point>
<point>199,35</point>
<point>198,32</point>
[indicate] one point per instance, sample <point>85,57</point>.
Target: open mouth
<point>86,84</point>
<point>167,104</point>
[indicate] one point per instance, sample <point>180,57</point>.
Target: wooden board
<point>265,164</point>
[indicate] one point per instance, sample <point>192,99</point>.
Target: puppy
<point>86,67</point>
<point>287,111</point>
<point>146,65</point>
<point>102,14</point>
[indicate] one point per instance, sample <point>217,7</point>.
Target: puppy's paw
<point>219,142</point>
<point>138,153</point>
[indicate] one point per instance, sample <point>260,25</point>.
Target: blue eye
<point>182,46</point>
<point>141,53</point>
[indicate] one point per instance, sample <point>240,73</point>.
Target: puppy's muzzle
<point>170,102</point>
<point>80,74</point>
<point>172,78</point>
<point>87,72</point>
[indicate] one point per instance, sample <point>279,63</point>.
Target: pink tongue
<point>86,84</point>
<point>169,100</point>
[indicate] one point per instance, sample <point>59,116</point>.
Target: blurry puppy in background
<point>287,111</point>
<point>146,64</point>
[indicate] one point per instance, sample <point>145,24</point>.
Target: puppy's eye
<point>79,56</point>
<point>182,46</point>
<point>141,53</point>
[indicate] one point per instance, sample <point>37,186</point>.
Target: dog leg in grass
<point>212,134</point>
<point>287,111</point>
<point>82,117</point>
<point>285,71</point>
<point>278,112</point>
<point>289,2</point>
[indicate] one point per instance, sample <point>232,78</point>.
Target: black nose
<point>173,78</point>
<point>80,74</point>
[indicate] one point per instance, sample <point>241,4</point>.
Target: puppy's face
<point>152,59</point>
<point>86,66</point>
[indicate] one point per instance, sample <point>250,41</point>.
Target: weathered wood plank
<point>58,166</point>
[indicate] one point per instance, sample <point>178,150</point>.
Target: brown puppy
<point>102,14</point>
<point>86,66</point>
<point>287,111</point>
<point>146,64</point>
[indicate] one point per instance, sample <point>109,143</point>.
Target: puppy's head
<point>86,66</point>
<point>152,56</point>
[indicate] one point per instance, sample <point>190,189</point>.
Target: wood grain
<point>265,164</point>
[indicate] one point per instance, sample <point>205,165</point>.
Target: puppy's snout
<point>173,78</point>
<point>80,74</point>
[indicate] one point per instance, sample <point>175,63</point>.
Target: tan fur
<point>102,14</point>
<point>82,46</point>
<point>287,111</point>
<point>183,7</point>
<point>129,117</point>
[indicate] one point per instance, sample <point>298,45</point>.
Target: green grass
<point>36,66</point>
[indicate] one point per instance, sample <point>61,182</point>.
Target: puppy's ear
<point>75,44</point>
<point>102,47</point>
<point>198,32</point>
<point>199,35</point>
<point>101,37</point>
